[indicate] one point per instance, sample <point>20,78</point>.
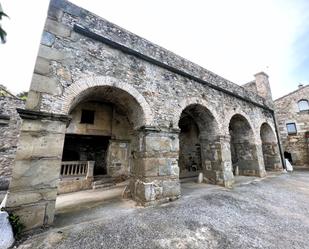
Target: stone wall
<point>83,57</point>
<point>9,129</point>
<point>287,111</point>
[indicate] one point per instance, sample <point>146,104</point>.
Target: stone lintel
<point>38,115</point>
<point>157,129</point>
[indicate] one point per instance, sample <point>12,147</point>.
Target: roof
<point>301,88</point>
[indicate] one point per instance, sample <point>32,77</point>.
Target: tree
<point>2,32</point>
<point>22,95</point>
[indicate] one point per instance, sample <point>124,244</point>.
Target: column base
<point>32,215</point>
<point>250,172</point>
<point>225,179</point>
<point>154,192</point>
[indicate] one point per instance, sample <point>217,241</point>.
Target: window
<point>303,105</point>
<point>87,117</point>
<point>291,128</point>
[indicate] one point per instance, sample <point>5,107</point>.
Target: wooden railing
<point>76,169</point>
<point>73,168</point>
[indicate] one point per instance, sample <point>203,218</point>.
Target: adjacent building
<point>292,112</point>
<point>9,129</point>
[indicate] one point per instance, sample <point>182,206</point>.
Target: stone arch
<point>230,115</point>
<point>199,101</point>
<point>200,143</point>
<point>270,125</point>
<point>270,149</point>
<point>80,88</point>
<point>244,151</point>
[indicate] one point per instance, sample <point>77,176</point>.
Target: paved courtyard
<point>257,213</point>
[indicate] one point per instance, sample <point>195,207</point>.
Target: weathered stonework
<point>288,111</point>
<point>9,129</point>
<point>155,95</point>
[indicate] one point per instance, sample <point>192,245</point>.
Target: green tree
<point>22,95</point>
<point>2,32</point>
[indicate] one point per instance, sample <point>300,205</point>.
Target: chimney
<point>300,85</point>
<point>262,86</point>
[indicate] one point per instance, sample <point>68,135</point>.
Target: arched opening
<point>99,141</point>
<point>288,155</point>
<point>198,130</point>
<point>243,147</point>
<point>270,148</point>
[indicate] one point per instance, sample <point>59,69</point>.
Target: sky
<point>234,39</point>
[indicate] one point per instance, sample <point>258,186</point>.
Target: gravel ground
<point>268,213</point>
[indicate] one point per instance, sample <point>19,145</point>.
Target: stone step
<point>103,181</point>
<point>101,176</point>
<point>103,185</point>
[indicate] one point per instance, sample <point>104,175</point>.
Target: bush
<point>16,224</point>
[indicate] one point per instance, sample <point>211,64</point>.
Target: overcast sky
<point>234,39</point>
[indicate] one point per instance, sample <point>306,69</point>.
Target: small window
<point>87,117</point>
<point>291,128</point>
<point>303,105</point>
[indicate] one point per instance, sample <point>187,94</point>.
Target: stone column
<point>216,160</point>
<point>155,172</point>
<point>272,160</point>
<point>33,187</point>
<point>260,169</point>
<point>90,168</point>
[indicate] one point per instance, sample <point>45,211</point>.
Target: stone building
<point>292,113</point>
<point>9,129</point>
<point>106,104</point>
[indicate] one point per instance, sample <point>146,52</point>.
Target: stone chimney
<point>262,86</point>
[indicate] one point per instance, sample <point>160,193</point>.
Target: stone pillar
<point>272,160</point>
<point>155,172</point>
<point>33,187</point>
<point>216,160</point>
<point>90,168</point>
<point>251,162</point>
<point>260,171</point>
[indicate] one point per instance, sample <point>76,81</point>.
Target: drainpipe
<point>278,140</point>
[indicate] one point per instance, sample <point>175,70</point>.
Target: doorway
<point>87,148</point>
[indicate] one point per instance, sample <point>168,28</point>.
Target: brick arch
<point>77,88</point>
<point>192,101</point>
